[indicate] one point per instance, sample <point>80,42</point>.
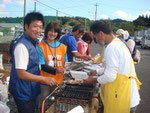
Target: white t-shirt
<point>117,60</point>
<point>21,56</point>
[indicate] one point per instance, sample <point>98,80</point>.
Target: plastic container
<point>4,108</point>
<point>3,92</point>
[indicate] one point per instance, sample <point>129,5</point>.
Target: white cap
<point>125,35</point>
<point>119,31</point>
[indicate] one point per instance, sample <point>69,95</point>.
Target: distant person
<point>25,77</point>
<point>130,42</point>
<point>83,43</point>
<point>70,42</point>
<point>119,33</point>
<point>52,58</point>
<point>66,31</point>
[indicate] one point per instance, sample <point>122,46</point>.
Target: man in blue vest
<point>25,81</point>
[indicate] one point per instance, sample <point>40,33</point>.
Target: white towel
<point>77,109</point>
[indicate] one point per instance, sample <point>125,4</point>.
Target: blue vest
<point>134,50</point>
<point>124,43</point>
<point>22,89</point>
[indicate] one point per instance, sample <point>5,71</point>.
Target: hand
<point>90,80</point>
<point>60,70</point>
<point>92,73</point>
<point>50,81</point>
<point>86,57</point>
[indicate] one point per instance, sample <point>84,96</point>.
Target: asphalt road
<point>143,73</point>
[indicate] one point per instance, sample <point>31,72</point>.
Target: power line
<point>53,8</point>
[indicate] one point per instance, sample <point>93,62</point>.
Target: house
<point>12,26</point>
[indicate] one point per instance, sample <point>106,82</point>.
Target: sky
<point>106,9</point>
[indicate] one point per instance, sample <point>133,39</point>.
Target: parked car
<point>138,40</point>
<point>145,43</point>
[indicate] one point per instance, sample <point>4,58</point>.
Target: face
<point>78,35</point>
<point>66,32</point>
<point>88,42</point>
<point>51,35</point>
<point>34,29</point>
<point>98,40</point>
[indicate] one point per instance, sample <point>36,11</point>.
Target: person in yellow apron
<point>119,80</point>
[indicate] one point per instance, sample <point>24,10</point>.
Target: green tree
<point>129,26</point>
<point>140,21</point>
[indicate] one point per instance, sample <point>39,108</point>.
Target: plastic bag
<point>3,92</point>
<point>1,61</point>
<point>137,56</point>
<point>4,108</point>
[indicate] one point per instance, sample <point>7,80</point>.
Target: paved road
<point>143,72</point>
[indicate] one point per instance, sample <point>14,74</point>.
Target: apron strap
<point>130,73</point>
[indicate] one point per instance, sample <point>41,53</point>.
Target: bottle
<point>1,89</point>
<point>1,85</point>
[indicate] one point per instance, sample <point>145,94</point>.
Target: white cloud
<point>6,1</point>
<point>19,2</point>
<point>124,15</point>
<point>103,16</point>
<point>3,11</point>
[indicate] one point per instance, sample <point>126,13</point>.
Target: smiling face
<point>34,29</point>
<point>51,35</point>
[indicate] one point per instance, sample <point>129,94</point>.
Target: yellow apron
<point>99,60</point>
<point>117,95</point>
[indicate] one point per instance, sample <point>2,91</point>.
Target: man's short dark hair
<point>78,27</point>
<point>101,25</point>
<point>53,26</point>
<point>33,16</point>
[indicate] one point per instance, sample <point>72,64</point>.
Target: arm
<point>66,58</point>
<point>80,47</point>
<point>110,73</point>
<point>23,74</point>
<point>131,45</point>
<point>78,55</point>
<point>72,44</point>
<point>88,50</point>
<point>111,58</point>
<point>20,53</point>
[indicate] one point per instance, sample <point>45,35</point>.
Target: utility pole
<point>56,15</point>
<point>96,10</point>
<point>24,8</point>
<point>85,24</point>
<point>35,5</point>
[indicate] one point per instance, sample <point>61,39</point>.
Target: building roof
<point>8,25</point>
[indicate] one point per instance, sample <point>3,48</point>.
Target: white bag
<point>1,61</point>
<point>4,108</point>
<point>137,56</point>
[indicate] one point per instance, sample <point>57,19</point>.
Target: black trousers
<point>26,106</point>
